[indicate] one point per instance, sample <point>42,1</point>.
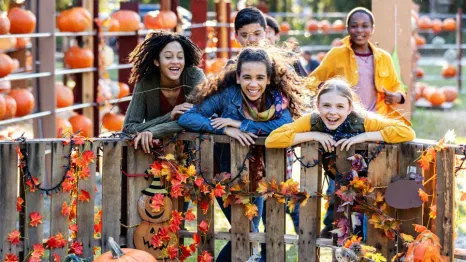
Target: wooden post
<point>96,74</point>
<point>385,37</point>
<point>222,32</point>
<point>199,34</point>
<point>459,41</point>
<point>88,95</point>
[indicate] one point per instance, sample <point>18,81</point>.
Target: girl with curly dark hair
<point>165,72</point>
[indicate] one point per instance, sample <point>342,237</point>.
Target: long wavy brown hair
<point>143,56</point>
<point>279,69</point>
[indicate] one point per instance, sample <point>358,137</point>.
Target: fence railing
<point>120,194</point>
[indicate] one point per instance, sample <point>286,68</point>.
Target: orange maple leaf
<point>11,258</point>
<point>84,173</point>
<point>203,227</point>
<point>13,237</point>
<point>219,190</point>
<point>463,196</point>
<point>88,157</point>
<point>379,197</point>
<point>36,219</point>
<point>76,247</point>
<point>65,209</point>
<point>84,196</point>
<point>205,257</point>
<point>262,186</point>
<point>189,215</point>
<point>56,257</point>
<point>433,211</point>
<point>78,140</point>
<point>157,202</point>
<point>19,204</point>
<point>250,211</point>
<point>423,195</point>
<point>38,251</point>
<point>155,169</point>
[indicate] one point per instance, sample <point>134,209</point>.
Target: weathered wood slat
<point>206,155</point>
<point>240,224</point>
<point>111,192</point>
<point>381,171</point>
<point>8,195</point>
<point>85,210</point>
<point>58,222</point>
<point>33,200</point>
<point>275,211</point>
<point>445,221</point>
<point>309,215</point>
<point>137,163</point>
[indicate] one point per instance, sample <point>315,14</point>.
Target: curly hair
<point>279,70</point>
<point>143,56</point>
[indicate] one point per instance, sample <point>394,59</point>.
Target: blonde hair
<point>342,88</point>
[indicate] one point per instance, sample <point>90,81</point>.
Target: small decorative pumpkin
<point>285,27</point>
<point>449,71</point>
<point>22,42</point>
<point>21,21</point>
<point>112,121</point>
<point>325,25</point>
<point>449,24</point>
<point>7,43</point>
<point>128,20</point>
<point>124,254</point>
<point>164,19</point>
<point>436,97</point>
<point>6,65</point>
<point>450,56</point>
<point>2,107</point>
<point>77,57</point>
<point>113,25</point>
<point>450,92</point>
<point>420,40</point>
<point>4,24</point>
<point>81,123</point>
<point>76,19</point>
<point>124,90</point>
<point>437,25</point>
<point>419,72</point>
<point>5,86</point>
<point>426,247</point>
<point>24,101</point>
<point>108,55</point>
<point>438,41</point>
<point>64,95</point>
<point>424,23</point>
<point>11,107</point>
<point>312,25</point>
<point>338,25</point>
<point>62,125</point>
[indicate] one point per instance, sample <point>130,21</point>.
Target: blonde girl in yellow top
<point>368,69</point>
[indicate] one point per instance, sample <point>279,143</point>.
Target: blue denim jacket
<point>228,103</point>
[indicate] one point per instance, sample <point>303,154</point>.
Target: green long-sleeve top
<point>143,113</point>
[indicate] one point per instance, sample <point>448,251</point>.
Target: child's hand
<point>392,98</point>
<point>224,122</point>
<point>325,140</point>
<point>243,137</point>
<point>348,142</point>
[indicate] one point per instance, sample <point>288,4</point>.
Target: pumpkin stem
<point>115,248</point>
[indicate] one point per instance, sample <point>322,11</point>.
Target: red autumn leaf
<point>76,248</point>
<point>155,241</point>
<point>11,258</point>
<point>189,215</point>
<point>157,202</point>
<point>176,216</point>
<point>56,241</point>
<point>84,173</point>
<point>78,140</point>
<point>172,251</point>
<point>32,184</point>
<point>205,257</point>
<point>19,204</point>
<point>34,259</point>
<point>193,247</point>
<point>13,237</point>
<point>37,251</point>
<point>199,181</point>
<point>18,151</point>
<point>196,238</point>
<point>164,235</point>
<point>98,228</point>
<point>56,257</point>
<point>173,227</point>
<point>176,191</point>
<point>155,169</point>
<point>181,177</point>
<point>204,205</point>
<point>203,227</point>
<point>185,252</point>
<point>423,195</point>
<point>88,157</point>
<point>205,189</point>
<point>73,227</point>
<point>68,185</point>
<point>463,196</point>
<point>84,196</point>
<point>219,190</point>
<point>36,219</point>
<point>419,228</point>
<point>65,209</point>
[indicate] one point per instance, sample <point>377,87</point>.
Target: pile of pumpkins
<point>436,96</point>
<point>436,25</point>
<point>325,26</point>
<point>15,102</point>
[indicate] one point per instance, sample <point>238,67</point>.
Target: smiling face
<point>171,61</point>
<point>250,35</point>
<point>334,109</point>
<point>360,28</point>
<point>253,79</point>
<point>272,36</point>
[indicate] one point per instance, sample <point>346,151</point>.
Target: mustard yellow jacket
<point>393,131</point>
<point>341,61</point>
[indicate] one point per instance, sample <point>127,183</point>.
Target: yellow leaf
<point>191,171</point>
<point>423,195</point>
<point>168,157</point>
<point>251,211</point>
<point>379,197</point>
<point>433,211</point>
<point>262,186</point>
<point>407,238</point>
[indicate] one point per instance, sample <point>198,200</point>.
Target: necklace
<point>364,57</point>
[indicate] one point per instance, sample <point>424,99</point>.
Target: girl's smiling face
<point>333,109</point>
<point>172,61</point>
<point>360,28</point>
<point>253,79</point>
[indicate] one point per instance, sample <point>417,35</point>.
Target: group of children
<point>265,91</point>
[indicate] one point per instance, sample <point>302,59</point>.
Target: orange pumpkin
<point>118,254</point>
<point>63,126</point>
<point>10,107</point>
<point>424,23</point>
<point>128,20</point>
<point>320,56</point>
<point>22,42</point>
<point>124,90</point>
<point>7,43</point>
<point>420,40</point>
<point>164,19</point>
<point>6,65</point>
<point>15,64</point>
<point>449,24</point>
<point>81,123</point>
<point>426,247</point>
<point>450,92</point>
<point>285,27</point>
<point>436,97</point>
<point>2,107</point>
<point>419,72</point>
<point>5,86</point>
<point>338,25</point>
<point>4,24</point>
<point>312,25</point>
<point>24,101</point>
<point>325,25</point>
<point>21,21</point>
<point>112,121</point>
<point>427,91</point>
<point>77,57</point>
<point>64,95</point>
<point>76,19</point>
<point>113,25</point>
<point>449,71</point>
<point>437,25</point>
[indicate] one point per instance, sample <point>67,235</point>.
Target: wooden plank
<point>275,211</point>
<point>445,229</point>
<point>85,210</point>
<point>137,163</point>
<point>309,215</point>
<point>33,200</point>
<point>8,194</point>
<point>206,155</point>
<point>408,153</point>
<point>111,191</point>
<point>58,222</point>
<point>429,175</point>
<point>240,224</point>
<point>381,170</point>
<point>88,95</point>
